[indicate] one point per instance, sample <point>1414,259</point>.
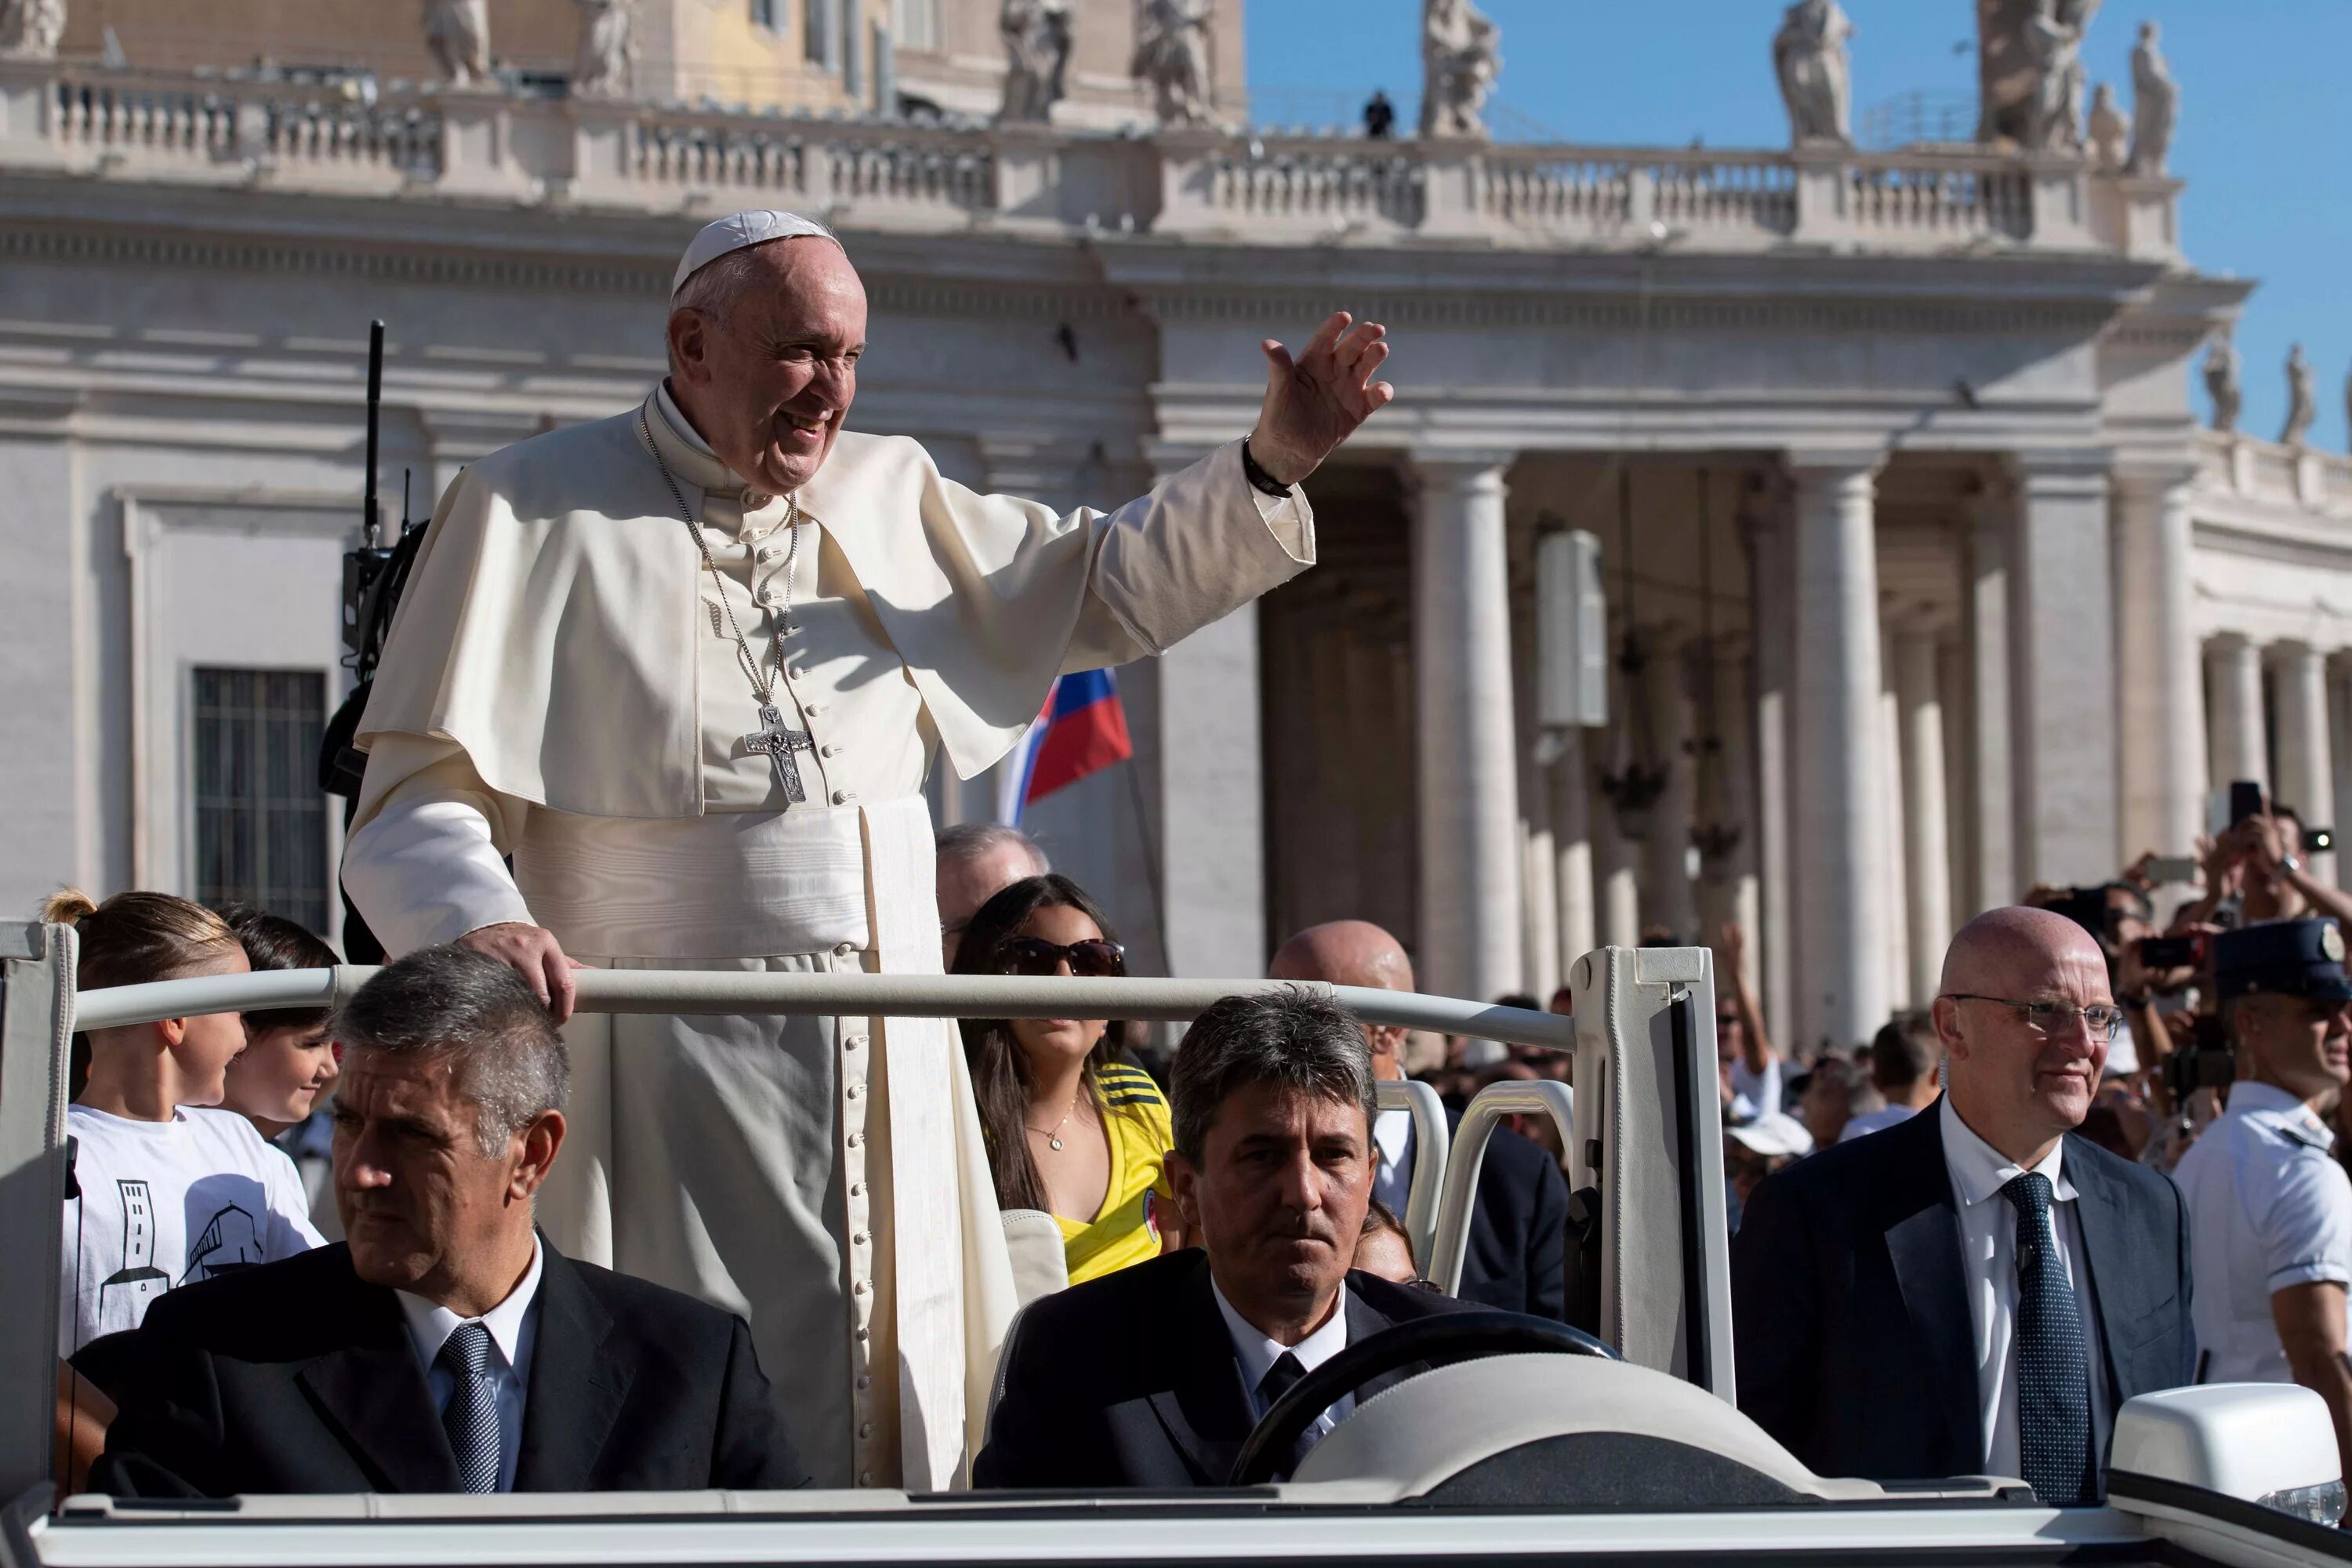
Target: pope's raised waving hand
<point>1315,402</point>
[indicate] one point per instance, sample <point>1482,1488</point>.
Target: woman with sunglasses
<point>1070,1130</point>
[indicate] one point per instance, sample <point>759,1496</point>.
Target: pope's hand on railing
<point>1315,401</point>
<point>532,952</point>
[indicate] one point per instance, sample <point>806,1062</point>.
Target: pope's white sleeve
<point>1201,545</point>
<point>426,867</point>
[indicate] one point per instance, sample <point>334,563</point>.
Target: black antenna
<point>371,520</point>
<point>403,501</point>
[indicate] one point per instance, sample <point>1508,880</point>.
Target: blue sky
<point>2265,117</point>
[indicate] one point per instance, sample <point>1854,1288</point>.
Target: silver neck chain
<point>763,687</point>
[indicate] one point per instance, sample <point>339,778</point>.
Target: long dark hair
<point>1000,1073</point>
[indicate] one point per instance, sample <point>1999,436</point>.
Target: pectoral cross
<point>780,744</point>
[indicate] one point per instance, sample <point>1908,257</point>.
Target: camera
<point>2208,1063</point>
<point>2171,951</point>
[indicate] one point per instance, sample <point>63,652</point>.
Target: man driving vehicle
<point>1183,1355</point>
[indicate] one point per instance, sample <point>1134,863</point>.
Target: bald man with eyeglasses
<point>1977,1290</point>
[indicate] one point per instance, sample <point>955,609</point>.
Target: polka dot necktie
<point>471,1416</point>
<point>2053,1393</point>
<point>1279,1379</point>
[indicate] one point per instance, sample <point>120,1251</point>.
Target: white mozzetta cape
<point>549,628</point>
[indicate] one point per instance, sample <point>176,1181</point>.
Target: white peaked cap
<point>740,232</point>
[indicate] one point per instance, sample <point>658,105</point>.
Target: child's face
<point>211,1042</point>
<point>281,1073</point>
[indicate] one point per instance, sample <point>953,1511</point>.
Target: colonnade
<point>1889,776</point>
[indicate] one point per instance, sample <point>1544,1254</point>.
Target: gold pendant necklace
<point>1053,1135</point>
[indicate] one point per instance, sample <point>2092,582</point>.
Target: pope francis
<point>687,667</point>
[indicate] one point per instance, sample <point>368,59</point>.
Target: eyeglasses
<point>2048,1018</point>
<point>1034,955</point>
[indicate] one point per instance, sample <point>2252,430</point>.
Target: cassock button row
<point>853,1091</point>
<point>864,1333</point>
<point>845,948</point>
<point>866,1428</point>
<point>843,796</point>
<point>855,1139</point>
<point>828,750</point>
<point>855,1041</point>
<point>863,1380</point>
<point>865,1477</point>
<point>857,1189</point>
<point>859,1287</point>
<point>861,1238</point>
<point>812,708</point>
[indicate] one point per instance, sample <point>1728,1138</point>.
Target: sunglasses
<point>1034,955</point>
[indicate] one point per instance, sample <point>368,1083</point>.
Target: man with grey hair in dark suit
<point>1154,1376</point>
<point>446,1347</point>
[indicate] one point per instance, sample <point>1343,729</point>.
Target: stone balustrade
<point>2298,477</point>
<point>227,129</point>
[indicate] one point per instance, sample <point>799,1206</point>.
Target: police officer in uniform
<point>2270,1213</point>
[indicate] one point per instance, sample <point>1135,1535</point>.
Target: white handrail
<point>887,995</point>
<point>1541,1097</point>
<point>1431,1145</point>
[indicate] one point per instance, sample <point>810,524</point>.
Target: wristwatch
<point>2291,863</point>
<point>1260,480</point>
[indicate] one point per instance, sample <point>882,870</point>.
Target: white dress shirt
<point>514,1330</point>
<point>1258,1353</point>
<point>1989,1269</point>
<point>2268,1208</point>
<point>1393,1136</point>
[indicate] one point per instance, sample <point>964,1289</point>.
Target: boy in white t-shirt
<point>165,1191</point>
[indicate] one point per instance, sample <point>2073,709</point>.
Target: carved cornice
<point>896,294</point>
<point>1546,308</point>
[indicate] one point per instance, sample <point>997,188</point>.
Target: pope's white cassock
<point>561,685</point>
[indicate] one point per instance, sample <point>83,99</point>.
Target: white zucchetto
<point>740,232</point>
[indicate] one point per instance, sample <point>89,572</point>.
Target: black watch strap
<point>1259,478</point>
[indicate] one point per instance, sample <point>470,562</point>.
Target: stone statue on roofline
<point>2156,106</point>
<point>1036,36</point>
<point>2222,383</point>
<point>2053,41</point>
<point>2110,132</point>
<point>30,29</point>
<point>1172,53</point>
<point>1808,54</point>
<point>2302,399</point>
<point>458,35</point>
<point>607,49</point>
<point>1460,58</point>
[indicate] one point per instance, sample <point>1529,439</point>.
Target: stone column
<point>2307,768</point>
<point>1841,842</point>
<point>2062,672</point>
<point>2160,696</point>
<point>1467,745</point>
<point>2240,748</point>
<point>1672,901</point>
<point>1539,888</point>
<point>1896,827</point>
<point>2339,707</point>
<point>1992,782</point>
<point>1928,919</point>
<point>1771,575</point>
<point>1195,712</point>
<point>1571,837</point>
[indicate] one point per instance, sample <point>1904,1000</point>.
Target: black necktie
<point>2053,1392</point>
<point>1278,1380</point>
<point>471,1416</point>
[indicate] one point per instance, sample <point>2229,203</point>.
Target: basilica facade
<point>1920,580</point>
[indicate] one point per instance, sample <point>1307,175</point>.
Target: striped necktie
<point>471,1416</point>
<point>2054,1391</point>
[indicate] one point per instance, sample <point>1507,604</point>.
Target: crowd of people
<point>1957,1249</point>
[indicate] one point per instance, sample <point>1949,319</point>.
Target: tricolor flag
<point>1080,731</point>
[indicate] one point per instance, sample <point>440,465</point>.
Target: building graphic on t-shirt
<point>127,1293</point>
<point>230,1240</point>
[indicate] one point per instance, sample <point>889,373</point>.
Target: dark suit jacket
<point>1854,1340</point>
<point>1519,1230</point>
<point>297,1377</point>
<point>1131,1380</point>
